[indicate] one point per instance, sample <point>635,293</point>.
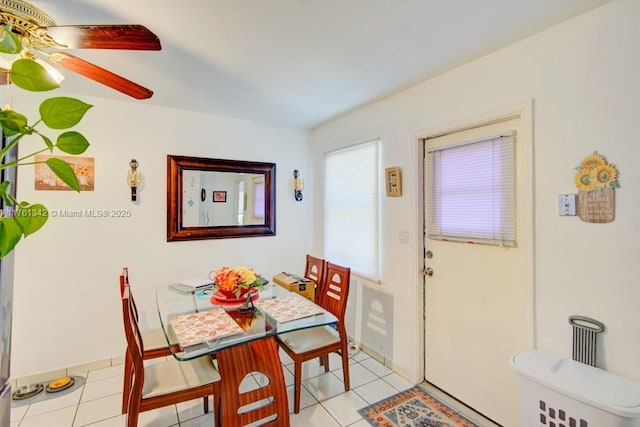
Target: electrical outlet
<point>567,204</point>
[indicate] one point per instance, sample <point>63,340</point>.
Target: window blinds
<point>351,208</point>
<point>258,199</point>
<point>471,192</point>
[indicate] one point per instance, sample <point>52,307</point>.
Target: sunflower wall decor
<point>596,180</point>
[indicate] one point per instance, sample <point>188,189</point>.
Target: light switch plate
<point>566,204</point>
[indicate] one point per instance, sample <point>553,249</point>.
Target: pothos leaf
<point>6,201</point>
<point>12,123</point>
<point>64,171</point>
<point>10,235</point>
<point>29,75</point>
<point>62,112</point>
<point>9,42</point>
<point>72,143</point>
<point>47,141</point>
<point>31,218</point>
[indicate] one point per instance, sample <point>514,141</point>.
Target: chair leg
<point>217,403</point>
<point>126,383</point>
<point>205,401</point>
<point>324,361</point>
<point>133,414</point>
<point>297,386</point>
<point>345,365</point>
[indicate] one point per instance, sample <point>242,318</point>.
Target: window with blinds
<point>471,192</point>
<point>351,218</point>
<point>258,198</point>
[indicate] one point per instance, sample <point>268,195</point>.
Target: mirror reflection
<point>219,198</point>
<point>222,198</point>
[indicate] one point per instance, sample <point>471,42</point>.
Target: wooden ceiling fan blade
<point>100,75</point>
<point>128,37</point>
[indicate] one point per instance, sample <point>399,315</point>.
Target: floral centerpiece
<point>237,281</point>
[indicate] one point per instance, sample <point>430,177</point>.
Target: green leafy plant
<point>21,218</point>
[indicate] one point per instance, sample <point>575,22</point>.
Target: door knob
<point>428,271</point>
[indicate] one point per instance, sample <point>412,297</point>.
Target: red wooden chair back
<point>135,350</point>
<point>314,268</point>
<point>237,362</point>
<point>335,291</point>
<point>136,402</point>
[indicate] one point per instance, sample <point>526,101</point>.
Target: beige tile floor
<point>324,403</point>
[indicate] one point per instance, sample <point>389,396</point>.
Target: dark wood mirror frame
<point>177,232</point>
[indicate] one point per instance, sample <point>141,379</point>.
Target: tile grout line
<point>350,389</point>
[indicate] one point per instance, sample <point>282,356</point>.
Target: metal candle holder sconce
<point>134,179</point>
<point>298,184</point>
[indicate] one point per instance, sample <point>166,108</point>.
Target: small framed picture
<point>46,179</point>
<point>394,181</point>
<point>219,197</point>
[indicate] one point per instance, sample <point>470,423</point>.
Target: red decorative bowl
<point>232,296</point>
<point>218,298</point>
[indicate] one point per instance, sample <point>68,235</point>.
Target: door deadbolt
<point>429,254</point>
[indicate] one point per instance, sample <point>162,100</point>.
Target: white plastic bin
<point>558,392</point>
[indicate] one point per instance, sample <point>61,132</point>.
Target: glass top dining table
<point>194,310</point>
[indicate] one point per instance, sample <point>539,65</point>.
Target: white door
<point>478,311</point>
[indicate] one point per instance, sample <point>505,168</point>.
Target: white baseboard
<point>385,361</point>
<point>46,376</point>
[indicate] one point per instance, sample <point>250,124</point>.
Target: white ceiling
<point>299,62</point>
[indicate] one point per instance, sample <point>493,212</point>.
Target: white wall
<point>583,77</point>
<point>67,308</point>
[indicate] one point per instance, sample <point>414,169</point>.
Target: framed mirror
<point>219,198</point>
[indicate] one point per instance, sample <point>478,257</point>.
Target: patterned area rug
<point>414,408</point>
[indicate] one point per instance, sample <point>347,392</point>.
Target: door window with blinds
<point>470,189</point>
<point>351,208</point>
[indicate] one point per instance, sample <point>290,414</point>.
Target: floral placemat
<point>196,328</point>
<point>288,308</point>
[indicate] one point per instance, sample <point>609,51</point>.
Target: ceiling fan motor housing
<point>27,20</point>
<point>26,11</point>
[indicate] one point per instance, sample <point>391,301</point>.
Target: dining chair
<point>155,342</point>
<point>266,402</point>
<point>314,270</point>
<point>307,344</point>
<point>168,382</point>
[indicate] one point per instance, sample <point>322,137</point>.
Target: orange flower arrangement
<point>236,280</point>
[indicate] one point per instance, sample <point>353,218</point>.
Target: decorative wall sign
<point>596,180</point>
<point>83,167</point>
<point>394,181</point>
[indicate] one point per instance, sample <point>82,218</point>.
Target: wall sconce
<point>134,179</point>
<point>298,184</point>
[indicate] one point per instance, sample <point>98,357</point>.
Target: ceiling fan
<point>38,31</point>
